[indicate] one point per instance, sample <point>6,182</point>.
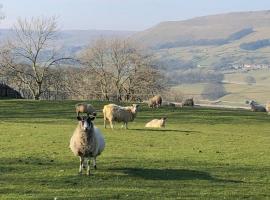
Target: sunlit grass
<point>201,154</point>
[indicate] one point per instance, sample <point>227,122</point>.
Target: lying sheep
<point>87,142</point>
<point>85,108</point>
<point>113,112</point>
<point>267,107</point>
<point>155,101</point>
<point>156,123</point>
<point>255,107</point>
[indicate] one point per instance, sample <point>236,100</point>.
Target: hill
<point>216,40</point>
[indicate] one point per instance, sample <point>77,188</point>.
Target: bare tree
<point>213,91</point>
<point>31,54</point>
<point>123,71</point>
<point>95,57</point>
<point>250,80</point>
<point>122,66</point>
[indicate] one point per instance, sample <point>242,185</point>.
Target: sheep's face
<point>135,108</point>
<point>163,120</point>
<point>86,122</point>
<point>251,102</point>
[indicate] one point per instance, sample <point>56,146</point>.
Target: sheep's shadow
<point>171,174</point>
<point>164,130</point>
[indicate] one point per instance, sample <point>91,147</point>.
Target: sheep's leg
<point>88,167</point>
<point>111,124</point>
<point>126,127</point>
<point>81,165</point>
<point>94,163</point>
<point>104,122</point>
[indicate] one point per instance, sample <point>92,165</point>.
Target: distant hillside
<point>212,41</point>
<point>213,27</point>
<point>72,41</point>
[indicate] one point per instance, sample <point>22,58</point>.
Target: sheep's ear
<point>79,118</point>
<point>94,114</point>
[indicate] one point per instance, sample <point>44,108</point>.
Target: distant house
<point>6,91</point>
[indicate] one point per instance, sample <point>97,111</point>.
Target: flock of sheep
<point>87,141</point>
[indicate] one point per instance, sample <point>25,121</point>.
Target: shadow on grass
<point>164,130</point>
<point>171,174</point>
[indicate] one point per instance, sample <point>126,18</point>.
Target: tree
<point>29,56</point>
<point>250,80</point>
<point>213,91</point>
<point>95,57</point>
<point>123,71</point>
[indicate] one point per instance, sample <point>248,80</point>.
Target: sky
<point>132,15</point>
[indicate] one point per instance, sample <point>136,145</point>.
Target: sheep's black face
<point>86,122</point>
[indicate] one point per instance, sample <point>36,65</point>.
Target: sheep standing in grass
<point>85,108</point>
<point>188,102</point>
<point>156,123</point>
<point>155,102</point>
<point>255,107</point>
<point>86,142</point>
<point>113,112</point>
<point>268,107</point>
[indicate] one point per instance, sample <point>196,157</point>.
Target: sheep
<point>255,107</point>
<point>188,102</point>
<point>113,112</point>
<point>85,108</point>
<point>155,101</point>
<point>268,107</point>
<point>156,123</point>
<point>87,142</point>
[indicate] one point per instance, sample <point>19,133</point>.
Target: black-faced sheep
<point>85,108</point>
<point>87,142</point>
<point>113,112</point>
<point>156,123</point>
<point>255,107</point>
<point>155,101</point>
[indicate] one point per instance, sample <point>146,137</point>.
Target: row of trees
<point>114,69</point>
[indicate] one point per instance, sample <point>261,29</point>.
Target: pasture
<point>201,154</point>
<point>238,91</point>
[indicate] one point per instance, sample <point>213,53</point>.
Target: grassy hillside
<point>209,40</point>
<point>237,88</point>
<point>207,27</point>
<point>201,154</point>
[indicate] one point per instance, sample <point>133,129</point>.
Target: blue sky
<point>121,14</point>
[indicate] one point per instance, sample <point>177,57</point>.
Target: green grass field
<point>201,154</point>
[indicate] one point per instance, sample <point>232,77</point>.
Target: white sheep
<point>85,108</point>
<point>156,123</point>
<point>256,107</point>
<point>113,112</point>
<point>87,142</point>
<point>155,101</point>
